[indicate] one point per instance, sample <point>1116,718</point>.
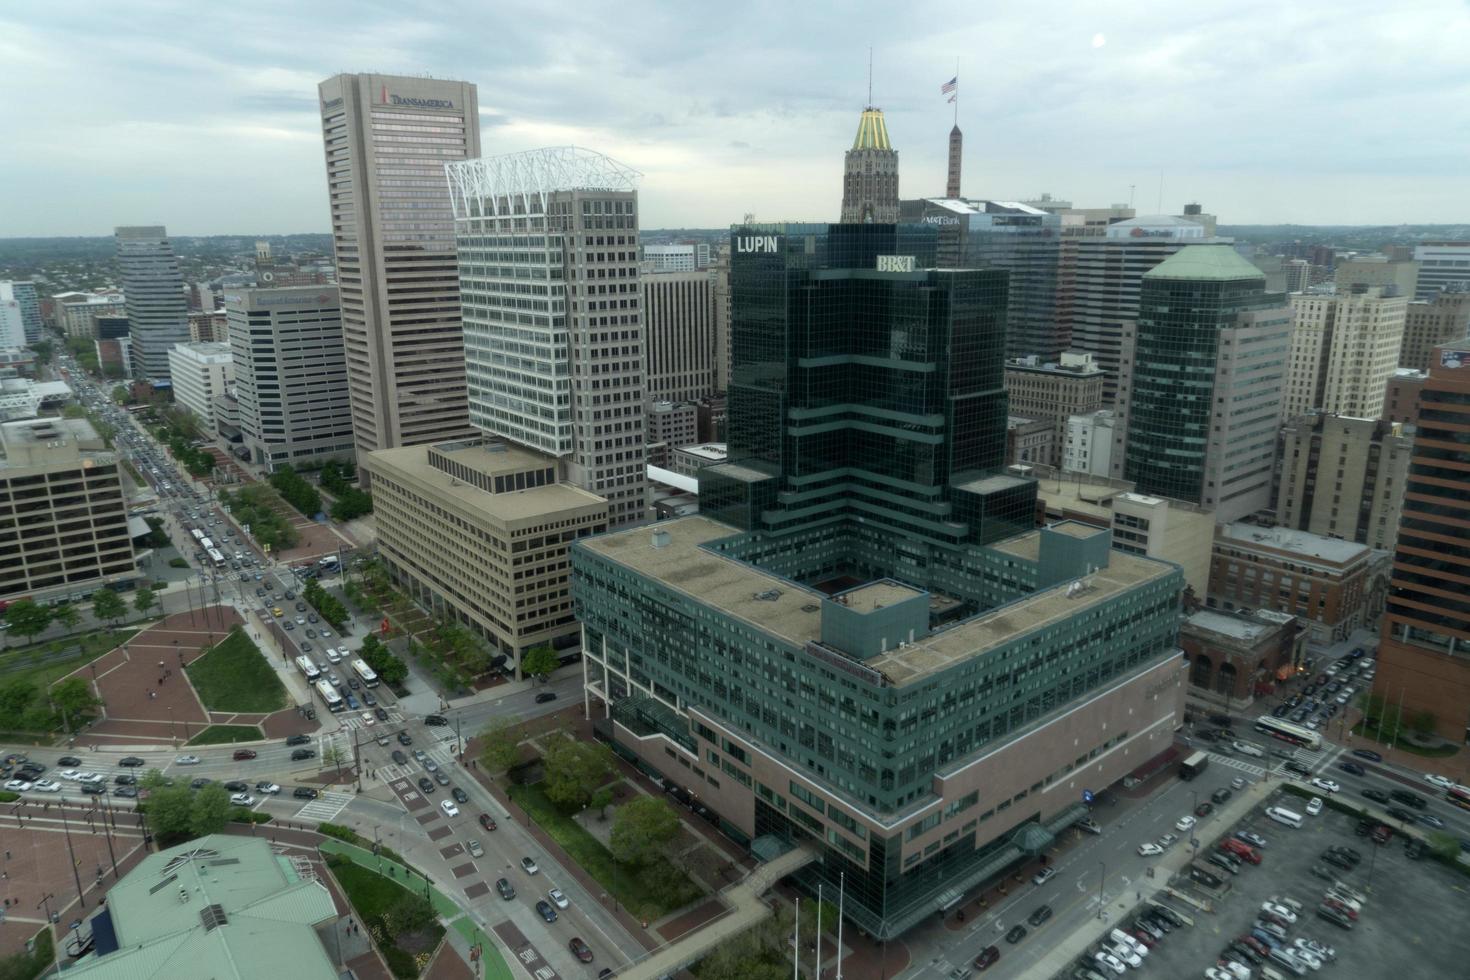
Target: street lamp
<point>1102,876</point>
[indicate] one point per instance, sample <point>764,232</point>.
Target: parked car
<point>459,795</point>
<point>450,810</point>
<point>1043,876</point>
<point>987,957</point>
<point>579,949</point>
<point>1368,754</point>
<point>529,866</point>
<point>1016,934</point>
<point>506,889</point>
<point>426,784</point>
<point>487,821</point>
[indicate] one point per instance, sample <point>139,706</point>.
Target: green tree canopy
<point>144,599</point>
<point>28,618</point>
<point>539,662</point>
<point>66,614</point>
<point>171,811</point>
<point>575,769</point>
<point>108,605</point>
<point>73,697</point>
<point>499,745</point>
<point>211,810</point>
<point>641,829</point>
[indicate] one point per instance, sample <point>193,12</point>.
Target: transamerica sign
<point>409,102</point>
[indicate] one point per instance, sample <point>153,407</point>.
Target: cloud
<point>205,118</point>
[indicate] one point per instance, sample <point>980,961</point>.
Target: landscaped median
<point>379,887</point>
<point>234,676</point>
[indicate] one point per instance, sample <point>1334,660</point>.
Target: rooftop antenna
<point>870,76</point>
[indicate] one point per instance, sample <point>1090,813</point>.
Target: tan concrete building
<point>74,311</point>
<point>680,323</point>
<point>1443,320</point>
<point>1030,441</point>
<point>1054,391</point>
<point>1235,658</point>
<point>1323,581</point>
<point>1344,349</point>
<point>1343,477</point>
<point>63,516</point>
<point>479,531</point>
<point>1397,277</point>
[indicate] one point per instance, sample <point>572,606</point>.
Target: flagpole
<point>841,892</point>
<point>818,974</point>
<point>957,91</point>
<point>796,941</point>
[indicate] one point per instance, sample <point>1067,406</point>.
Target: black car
<point>129,792</point>
<point>1368,754</point>
<point>399,757</point>
<point>1296,767</point>
<point>298,739</point>
<point>300,754</point>
<point>237,786</point>
<point>1337,860</point>
<point>543,907</point>
<point>459,795</point>
<point>1334,916</point>
<point>1039,916</point>
<point>93,789</point>
<point>68,760</point>
<point>354,683</point>
<point>1280,711</point>
<point>506,889</point>
<point>382,713</point>
<point>1351,767</point>
<point>199,782</point>
<point>1204,809</point>
<point>304,793</point>
<point>131,761</point>
<point>1220,795</point>
<point>1017,933</point>
<point>435,720</point>
<point>987,957</point>
<point>370,701</point>
<point>1408,799</point>
<point>545,696</point>
<point>125,779</point>
<point>404,738</point>
<point>426,784</point>
<point>1376,795</point>
<point>1399,813</point>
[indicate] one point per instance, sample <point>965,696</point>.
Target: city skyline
<point>710,108</point>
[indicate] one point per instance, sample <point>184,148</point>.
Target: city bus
<point>308,669</point>
<point>198,535</point>
<point>205,543</point>
<point>1287,732</point>
<point>364,673</point>
<point>1194,765</point>
<point>329,696</point>
<point>216,557</point>
<point>1459,796</point>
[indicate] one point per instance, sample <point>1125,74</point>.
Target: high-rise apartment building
<point>1424,656</point>
<point>555,345</point>
<point>20,305</point>
<point>1054,391</point>
<point>1442,265</point>
<point>201,372</point>
<point>680,314</point>
<point>1445,319</point>
<point>153,287</point>
<point>1199,400</point>
<point>290,375</point>
<point>63,514</point>
<point>1344,350</point>
<point>1344,477</point>
<point>862,645</point>
<point>1106,279</point>
<point>387,139</point>
<point>870,173</point>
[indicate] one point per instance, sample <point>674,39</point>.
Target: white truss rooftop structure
<point>519,183</point>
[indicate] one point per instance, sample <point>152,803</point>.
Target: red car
<point>580,949</point>
<point>1346,910</point>
<point>1143,936</point>
<point>1240,849</point>
<point>987,957</point>
<point>486,821</point>
<point>1255,944</point>
<point>244,754</point>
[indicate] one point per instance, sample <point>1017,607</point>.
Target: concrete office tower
<point>1424,656</point>
<point>1401,400</point>
<point>956,159</point>
<point>73,536</point>
<point>1344,350</point>
<point>1397,278</point>
<point>1054,391</point>
<point>12,321</point>
<point>1199,400</point>
<point>679,307</point>
<point>1445,319</point>
<point>862,565</point>
<point>1442,265</point>
<point>553,317</point>
<point>1106,279</point>
<point>153,287</point>
<point>720,297</point>
<point>18,301</point>
<point>1298,273</point>
<point>1344,477</point>
<point>481,531</point>
<point>76,313</point>
<point>387,139</point>
<point>201,372</point>
<point>675,258</point>
<point>291,375</point>
<point>1082,222</point>
<point>870,174</point>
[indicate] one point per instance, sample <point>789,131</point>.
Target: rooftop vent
<point>770,595</point>
<point>212,916</point>
<point>661,539</point>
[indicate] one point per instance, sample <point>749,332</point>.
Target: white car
<point>1043,876</point>
<point>1325,785</point>
<point>71,775</point>
<point>450,810</point>
<point>242,799</point>
<point>187,760</point>
<point>1185,823</point>
<point>46,786</point>
<point>368,719</point>
<point>1237,970</point>
<point>334,655</point>
<point>270,789</point>
<point>1149,850</point>
<point>17,785</point>
<point>1280,911</point>
<point>1322,951</point>
<point>1121,938</point>
<point>1215,973</point>
<point>1438,780</point>
<point>1109,962</point>
<point>558,898</point>
<point>1314,806</point>
<point>1306,956</point>
<point>1125,954</point>
<point>1167,841</point>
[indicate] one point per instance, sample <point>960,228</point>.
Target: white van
<point>334,655</point>
<point>1282,815</point>
<point>1281,957</point>
<point>1246,748</point>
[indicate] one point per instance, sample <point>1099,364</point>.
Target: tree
<point>334,756</point>
<point>1445,846</point>
<point>108,605</point>
<point>410,913</point>
<point>27,618</point>
<point>171,811</point>
<point>73,698</point>
<point>73,412</point>
<point>499,745</point>
<point>1423,722</point>
<point>44,350</point>
<point>16,697</point>
<point>144,599</point>
<point>211,810</point>
<point>574,769</point>
<point>120,395</point>
<point>641,828</point>
<point>66,614</point>
<point>539,662</point>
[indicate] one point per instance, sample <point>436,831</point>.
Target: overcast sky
<point>204,116</point>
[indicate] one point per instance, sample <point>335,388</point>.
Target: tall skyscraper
<point>1442,265</point>
<point>956,160</point>
<point>1444,319</point>
<point>861,643</point>
<point>19,300</point>
<point>679,307</point>
<point>1344,350</point>
<point>870,173</point>
<point>553,318</point>
<point>1199,400</point>
<point>387,139</point>
<point>1424,657</point>
<point>153,291</point>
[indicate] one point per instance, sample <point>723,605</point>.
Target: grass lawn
<point>225,734</point>
<point>234,676</point>
<point>33,663</point>
<point>622,882</point>
<point>371,896</point>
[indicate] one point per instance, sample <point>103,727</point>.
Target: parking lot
<point>1412,924</point>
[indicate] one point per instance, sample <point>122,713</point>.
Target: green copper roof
<point>872,132</point>
<point>1205,262</point>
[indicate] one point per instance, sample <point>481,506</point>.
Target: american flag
<point>950,86</point>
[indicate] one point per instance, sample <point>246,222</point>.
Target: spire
<point>872,131</point>
<point>956,153</point>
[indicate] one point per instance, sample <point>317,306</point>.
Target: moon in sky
<point>1098,40</point>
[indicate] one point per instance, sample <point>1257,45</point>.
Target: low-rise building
<point>1326,582</point>
<point>115,357</point>
<point>1030,441</point>
<point>1235,657</point>
<point>1401,400</point>
<point>63,515</point>
<point>673,424</point>
<point>1344,477</point>
<point>479,531</point>
<point>1055,391</point>
<point>1089,445</point>
<point>75,311</point>
<point>689,460</point>
<point>200,373</point>
<point>1444,319</point>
